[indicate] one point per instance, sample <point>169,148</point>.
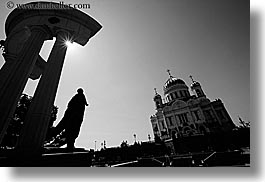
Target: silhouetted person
<point>73,117</point>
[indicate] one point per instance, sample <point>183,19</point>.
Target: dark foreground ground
<point>83,158</point>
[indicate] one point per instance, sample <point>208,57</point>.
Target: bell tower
<point>157,100</point>
<point>196,86</point>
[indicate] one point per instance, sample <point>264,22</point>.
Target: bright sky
<point>120,66</point>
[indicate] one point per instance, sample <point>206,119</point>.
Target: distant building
<point>181,114</point>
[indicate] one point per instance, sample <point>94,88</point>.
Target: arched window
<point>181,94</point>
<point>169,121</point>
<point>171,96</point>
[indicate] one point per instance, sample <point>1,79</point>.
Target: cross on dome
<point>169,73</point>
<point>191,77</point>
<point>155,91</point>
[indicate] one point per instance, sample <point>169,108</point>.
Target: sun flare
<point>68,44</point>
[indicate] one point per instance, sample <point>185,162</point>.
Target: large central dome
<point>173,81</point>
<point>175,88</point>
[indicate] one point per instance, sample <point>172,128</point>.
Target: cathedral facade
<point>180,114</point>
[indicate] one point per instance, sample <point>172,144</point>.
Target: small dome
<point>173,81</point>
<point>194,84</point>
<point>157,96</point>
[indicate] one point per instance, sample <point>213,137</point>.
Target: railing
<point>212,154</point>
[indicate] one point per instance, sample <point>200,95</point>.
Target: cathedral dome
<point>173,81</point>
<point>175,88</point>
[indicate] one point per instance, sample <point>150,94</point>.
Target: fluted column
<point>18,73</point>
<point>39,113</point>
<point>6,70</point>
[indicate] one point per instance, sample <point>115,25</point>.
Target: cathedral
<point>180,114</point>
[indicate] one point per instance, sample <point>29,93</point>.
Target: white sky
<point>139,41</point>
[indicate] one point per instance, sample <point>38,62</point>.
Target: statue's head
<point>80,91</point>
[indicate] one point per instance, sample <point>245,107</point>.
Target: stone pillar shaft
<point>39,113</point>
<point>16,80</point>
<point>6,70</point>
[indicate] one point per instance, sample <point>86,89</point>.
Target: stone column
<point>38,116</point>
<point>6,70</point>
<point>18,76</point>
<point>14,43</point>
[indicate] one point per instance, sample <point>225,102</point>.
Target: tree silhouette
<point>15,126</point>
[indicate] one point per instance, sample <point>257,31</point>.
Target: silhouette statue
<point>73,117</point>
